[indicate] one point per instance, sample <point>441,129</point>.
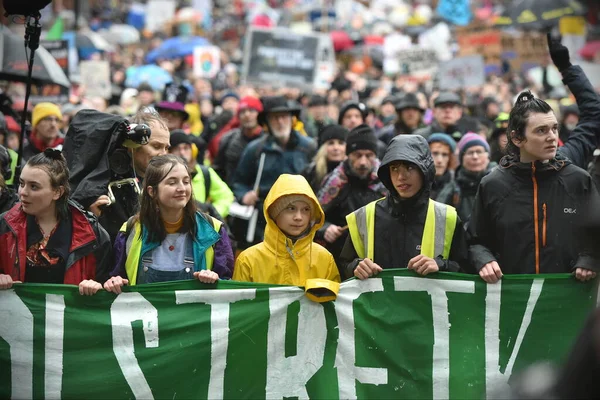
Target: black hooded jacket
<point>527,217</point>
<point>399,224</point>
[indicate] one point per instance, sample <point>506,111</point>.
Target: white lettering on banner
<point>55,328</point>
<point>345,358</point>
<point>438,290</point>
<point>219,301</point>
<point>126,308</point>
<point>17,330</point>
<point>494,379</point>
<point>311,339</point>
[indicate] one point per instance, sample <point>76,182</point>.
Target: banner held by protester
<point>397,335</point>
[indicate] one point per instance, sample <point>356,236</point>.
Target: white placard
<point>95,75</point>
<point>158,12</point>
<point>462,72</point>
<point>207,61</point>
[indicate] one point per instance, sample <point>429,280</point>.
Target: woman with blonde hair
<point>332,151</point>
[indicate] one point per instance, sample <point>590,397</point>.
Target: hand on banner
<point>366,268</point>
<point>100,201</point>
<point>584,275</point>
<point>114,284</point>
<point>423,265</point>
<point>491,272</point>
<point>332,233</point>
<point>89,287</point>
<point>6,281</point>
<point>206,276</point>
<point>559,53</point>
<point>250,198</point>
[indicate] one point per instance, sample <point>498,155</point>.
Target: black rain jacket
<point>399,224</point>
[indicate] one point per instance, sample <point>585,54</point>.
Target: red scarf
<point>41,145</point>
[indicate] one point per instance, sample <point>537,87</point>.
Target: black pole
<point>33,31</point>
<point>77,12</point>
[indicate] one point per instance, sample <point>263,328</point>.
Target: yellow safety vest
<point>437,234</point>
<point>133,250</point>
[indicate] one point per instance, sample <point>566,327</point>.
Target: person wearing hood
<point>474,156</point>
<point>498,140</point>
<point>402,230</point>
<point>570,119</point>
<point>442,148</point>
<point>288,255</point>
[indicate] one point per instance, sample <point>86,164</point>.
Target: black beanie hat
<point>349,105</point>
<point>361,138</point>
<point>178,136</point>
<point>332,132</point>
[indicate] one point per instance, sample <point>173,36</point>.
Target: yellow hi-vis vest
<point>437,234</point>
<point>133,250</point>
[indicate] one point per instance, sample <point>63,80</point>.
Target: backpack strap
<point>207,182</point>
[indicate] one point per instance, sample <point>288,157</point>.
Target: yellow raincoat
<point>277,259</point>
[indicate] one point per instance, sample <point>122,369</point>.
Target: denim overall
<point>147,274</point>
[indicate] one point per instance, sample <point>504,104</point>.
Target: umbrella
<point>341,40</point>
<point>121,34</point>
<point>13,63</point>
<point>91,40</point>
<point>151,74</point>
<point>535,14</point>
<point>176,47</point>
<point>590,49</point>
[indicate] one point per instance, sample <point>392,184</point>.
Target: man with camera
<point>112,214</point>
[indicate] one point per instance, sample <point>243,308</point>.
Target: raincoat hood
<point>286,185</point>
<point>410,148</point>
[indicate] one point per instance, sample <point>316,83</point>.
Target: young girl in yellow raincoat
<point>288,255</point>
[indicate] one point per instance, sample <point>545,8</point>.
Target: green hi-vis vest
<point>437,234</point>
<point>133,250</point>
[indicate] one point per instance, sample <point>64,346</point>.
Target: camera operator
<point>113,215</point>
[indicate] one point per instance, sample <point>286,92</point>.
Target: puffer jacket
<point>90,253</point>
<point>281,260</point>
<point>527,217</point>
<point>399,223</point>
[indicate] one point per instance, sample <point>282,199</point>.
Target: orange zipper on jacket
<point>536,220</point>
<point>544,226</point>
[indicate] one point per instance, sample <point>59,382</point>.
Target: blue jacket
<point>291,160</point>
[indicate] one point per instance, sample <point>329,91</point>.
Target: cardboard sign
<point>207,61</point>
<point>158,13</point>
<point>282,57</point>
<point>95,75</point>
<point>412,62</point>
<point>461,72</point>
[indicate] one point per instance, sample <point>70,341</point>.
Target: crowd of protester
<point>335,189</point>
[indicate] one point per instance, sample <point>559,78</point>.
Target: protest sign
<point>158,13</point>
<point>398,335</point>
<point>95,76</point>
<point>59,49</point>
<point>461,72</point>
<point>207,61</point>
<point>281,57</point>
<point>413,62</point>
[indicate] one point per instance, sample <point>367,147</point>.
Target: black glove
<point>558,53</point>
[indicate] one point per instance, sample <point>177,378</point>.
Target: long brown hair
<point>149,215</point>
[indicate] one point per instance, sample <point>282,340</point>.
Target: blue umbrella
<point>176,47</point>
<point>151,74</point>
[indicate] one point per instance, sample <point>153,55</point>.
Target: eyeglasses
<point>472,153</point>
<point>52,119</point>
<point>438,154</point>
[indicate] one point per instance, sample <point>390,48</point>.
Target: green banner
<point>394,336</point>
